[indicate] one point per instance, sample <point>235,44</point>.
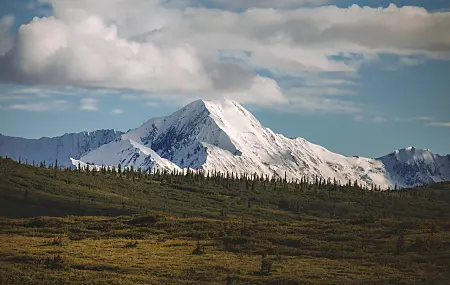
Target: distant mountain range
<point>224,136</point>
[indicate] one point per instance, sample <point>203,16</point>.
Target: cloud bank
<point>166,52</point>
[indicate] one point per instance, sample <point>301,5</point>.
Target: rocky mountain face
<point>224,136</point>
<point>416,167</point>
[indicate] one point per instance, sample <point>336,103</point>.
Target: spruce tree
<point>400,244</point>
<point>266,265</point>
<point>25,196</point>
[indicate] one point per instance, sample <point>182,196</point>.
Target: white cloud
<point>89,104</point>
<point>28,93</point>
<point>153,104</point>
<point>439,124</point>
<point>424,118</point>
<point>412,119</point>
<point>248,4</point>
<point>169,53</point>
<point>44,106</point>
<point>6,39</point>
<point>379,119</point>
<point>358,118</point>
<point>117,111</point>
<point>31,5</point>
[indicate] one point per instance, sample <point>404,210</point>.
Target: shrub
<point>199,250</point>
<point>59,241</point>
<point>418,245</point>
<point>266,265</point>
<point>400,244</point>
<point>55,262</point>
<point>131,244</point>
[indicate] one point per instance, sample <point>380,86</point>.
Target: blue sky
<point>358,83</point>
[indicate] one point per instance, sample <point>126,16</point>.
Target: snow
<point>414,167</point>
<point>222,135</point>
<point>128,153</point>
<point>58,148</point>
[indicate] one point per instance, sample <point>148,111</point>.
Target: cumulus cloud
<point>89,104</point>
<point>87,52</point>
<point>154,47</point>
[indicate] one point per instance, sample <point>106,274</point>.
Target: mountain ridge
<point>59,148</point>
<point>222,135</point>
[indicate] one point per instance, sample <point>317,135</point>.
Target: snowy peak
<point>412,155</point>
<point>186,133</point>
<point>413,167</point>
<point>223,136</point>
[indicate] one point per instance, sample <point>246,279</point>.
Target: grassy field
<point>60,227</point>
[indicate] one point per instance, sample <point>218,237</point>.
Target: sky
<point>357,77</point>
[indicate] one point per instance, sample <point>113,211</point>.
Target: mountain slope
<point>224,136</point>
<point>127,153</point>
<point>60,148</point>
<point>415,167</point>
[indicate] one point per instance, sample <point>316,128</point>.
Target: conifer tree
<point>400,244</point>
<point>266,265</point>
<point>25,196</point>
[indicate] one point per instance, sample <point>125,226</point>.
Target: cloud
<point>412,119</point>
<point>249,4</point>
<point>27,93</point>
<point>154,47</point>
<point>89,104</point>
<point>358,118</point>
<point>424,118</point>
<point>439,124</point>
<point>31,5</point>
<point>6,39</point>
<point>379,119</point>
<point>117,111</point>
<point>57,105</point>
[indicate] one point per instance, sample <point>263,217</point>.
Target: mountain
<point>126,152</point>
<point>224,136</point>
<point>60,148</point>
<point>416,167</point>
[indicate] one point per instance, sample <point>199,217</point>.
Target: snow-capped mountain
<point>224,136</point>
<point>415,167</point>
<point>126,152</point>
<point>60,148</point>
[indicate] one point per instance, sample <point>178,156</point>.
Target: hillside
<point>106,228</point>
<point>56,192</point>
